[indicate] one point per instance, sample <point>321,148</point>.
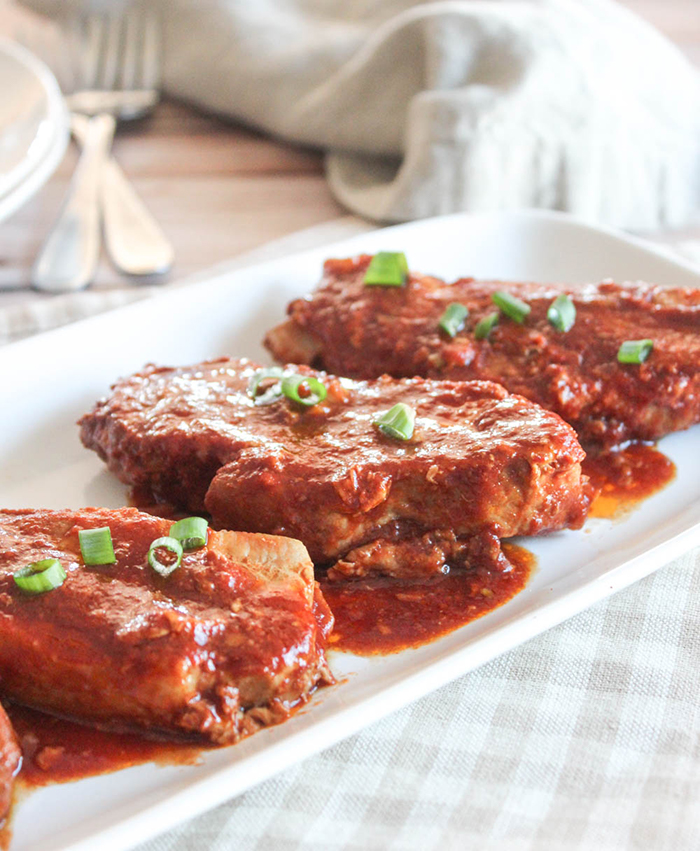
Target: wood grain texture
<point>219,188</point>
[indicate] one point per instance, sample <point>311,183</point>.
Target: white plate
<point>48,381</point>
<point>33,126</point>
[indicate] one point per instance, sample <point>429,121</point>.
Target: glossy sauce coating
<point>480,458</point>
<point>373,617</point>
<point>229,642</point>
<point>378,617</point>
<point>366,331</point>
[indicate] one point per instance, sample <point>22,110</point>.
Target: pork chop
<point>363,332</point>
<point>481,462</point>
<point>230,641</point>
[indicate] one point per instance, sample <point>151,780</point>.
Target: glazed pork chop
<point>366,331</point>
<point>10,761</point>
<point>230,641</point>
<point>482,464</point>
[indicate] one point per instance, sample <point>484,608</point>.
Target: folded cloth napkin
<point>435,107</point>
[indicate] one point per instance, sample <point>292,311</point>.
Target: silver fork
<point>119,66</point>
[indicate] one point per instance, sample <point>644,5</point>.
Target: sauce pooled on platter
<point>382,616</point>
<point>626,477</point>
<point>57,751</point>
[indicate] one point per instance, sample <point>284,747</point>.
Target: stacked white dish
<point>34,126</point>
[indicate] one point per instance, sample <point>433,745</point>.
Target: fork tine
<point>112,36</point>
<point>71,77</point>
<point>89,40</point>
<point>152,46</point>
<point>131,50</point>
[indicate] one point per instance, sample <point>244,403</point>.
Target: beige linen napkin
<point>435,107</point>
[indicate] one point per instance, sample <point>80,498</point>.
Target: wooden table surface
<point>218,188</point>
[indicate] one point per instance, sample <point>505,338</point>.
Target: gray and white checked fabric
<point>586,738</point>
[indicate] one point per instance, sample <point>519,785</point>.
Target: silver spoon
<point>135,242</point>
<point>69,257</point>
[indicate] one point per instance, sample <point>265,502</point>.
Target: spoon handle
<point>68,259</point>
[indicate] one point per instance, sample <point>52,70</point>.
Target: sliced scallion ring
<point>561,313</point>
<point>173,546</point>
<point>316,389</point>
<point>273,392</point>
<point>511,305</point>
<point>387,269</point>
<point>635,351</point>
<point>96,546</point>
<point>40,576</point>
<point>191,532</point>
<point>398,422</point>
<point>485,326</point>
<point>452,320</point>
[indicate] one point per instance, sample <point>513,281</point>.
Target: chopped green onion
<point>316,389</point>
<point>286,385</point>
<point>40,576</point>
<point>635,351</point>
<point>562,313</point>
<point>398,422</point>
<point>191,532</point>
<point>485,326</point>
<point>273,393</point>
<point>512,306</point>
<point>96,546</point>
<point>452,320</point>
<point>173,546</point>
<point>387,269</point>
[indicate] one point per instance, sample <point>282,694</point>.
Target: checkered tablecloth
<point>587,737</point>
<point>584,738</point>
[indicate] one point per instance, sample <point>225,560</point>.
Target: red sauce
<point>6,829</point>
<point>57,751</point>
<point>372,617</point>
<point>382,616</point>
<point>141,497</point>
<point>626,477</point>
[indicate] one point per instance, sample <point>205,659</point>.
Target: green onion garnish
<point>512,306</point>
<point>485,326</point>
<point>316,390</point>
<point>173,546</point>
<point>635,351</point>
<point>272,393</point>
<point>562,313</point>
<point>191,532</point>
<point>387,269</point>
<point>398,422</point>
<point>452,320</point>
<point>96,546</point>
<point>40,576</point>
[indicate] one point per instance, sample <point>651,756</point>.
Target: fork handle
<point>134,240</point>
<point>68,259</point>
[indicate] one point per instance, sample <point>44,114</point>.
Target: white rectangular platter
<point>50,380</point>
